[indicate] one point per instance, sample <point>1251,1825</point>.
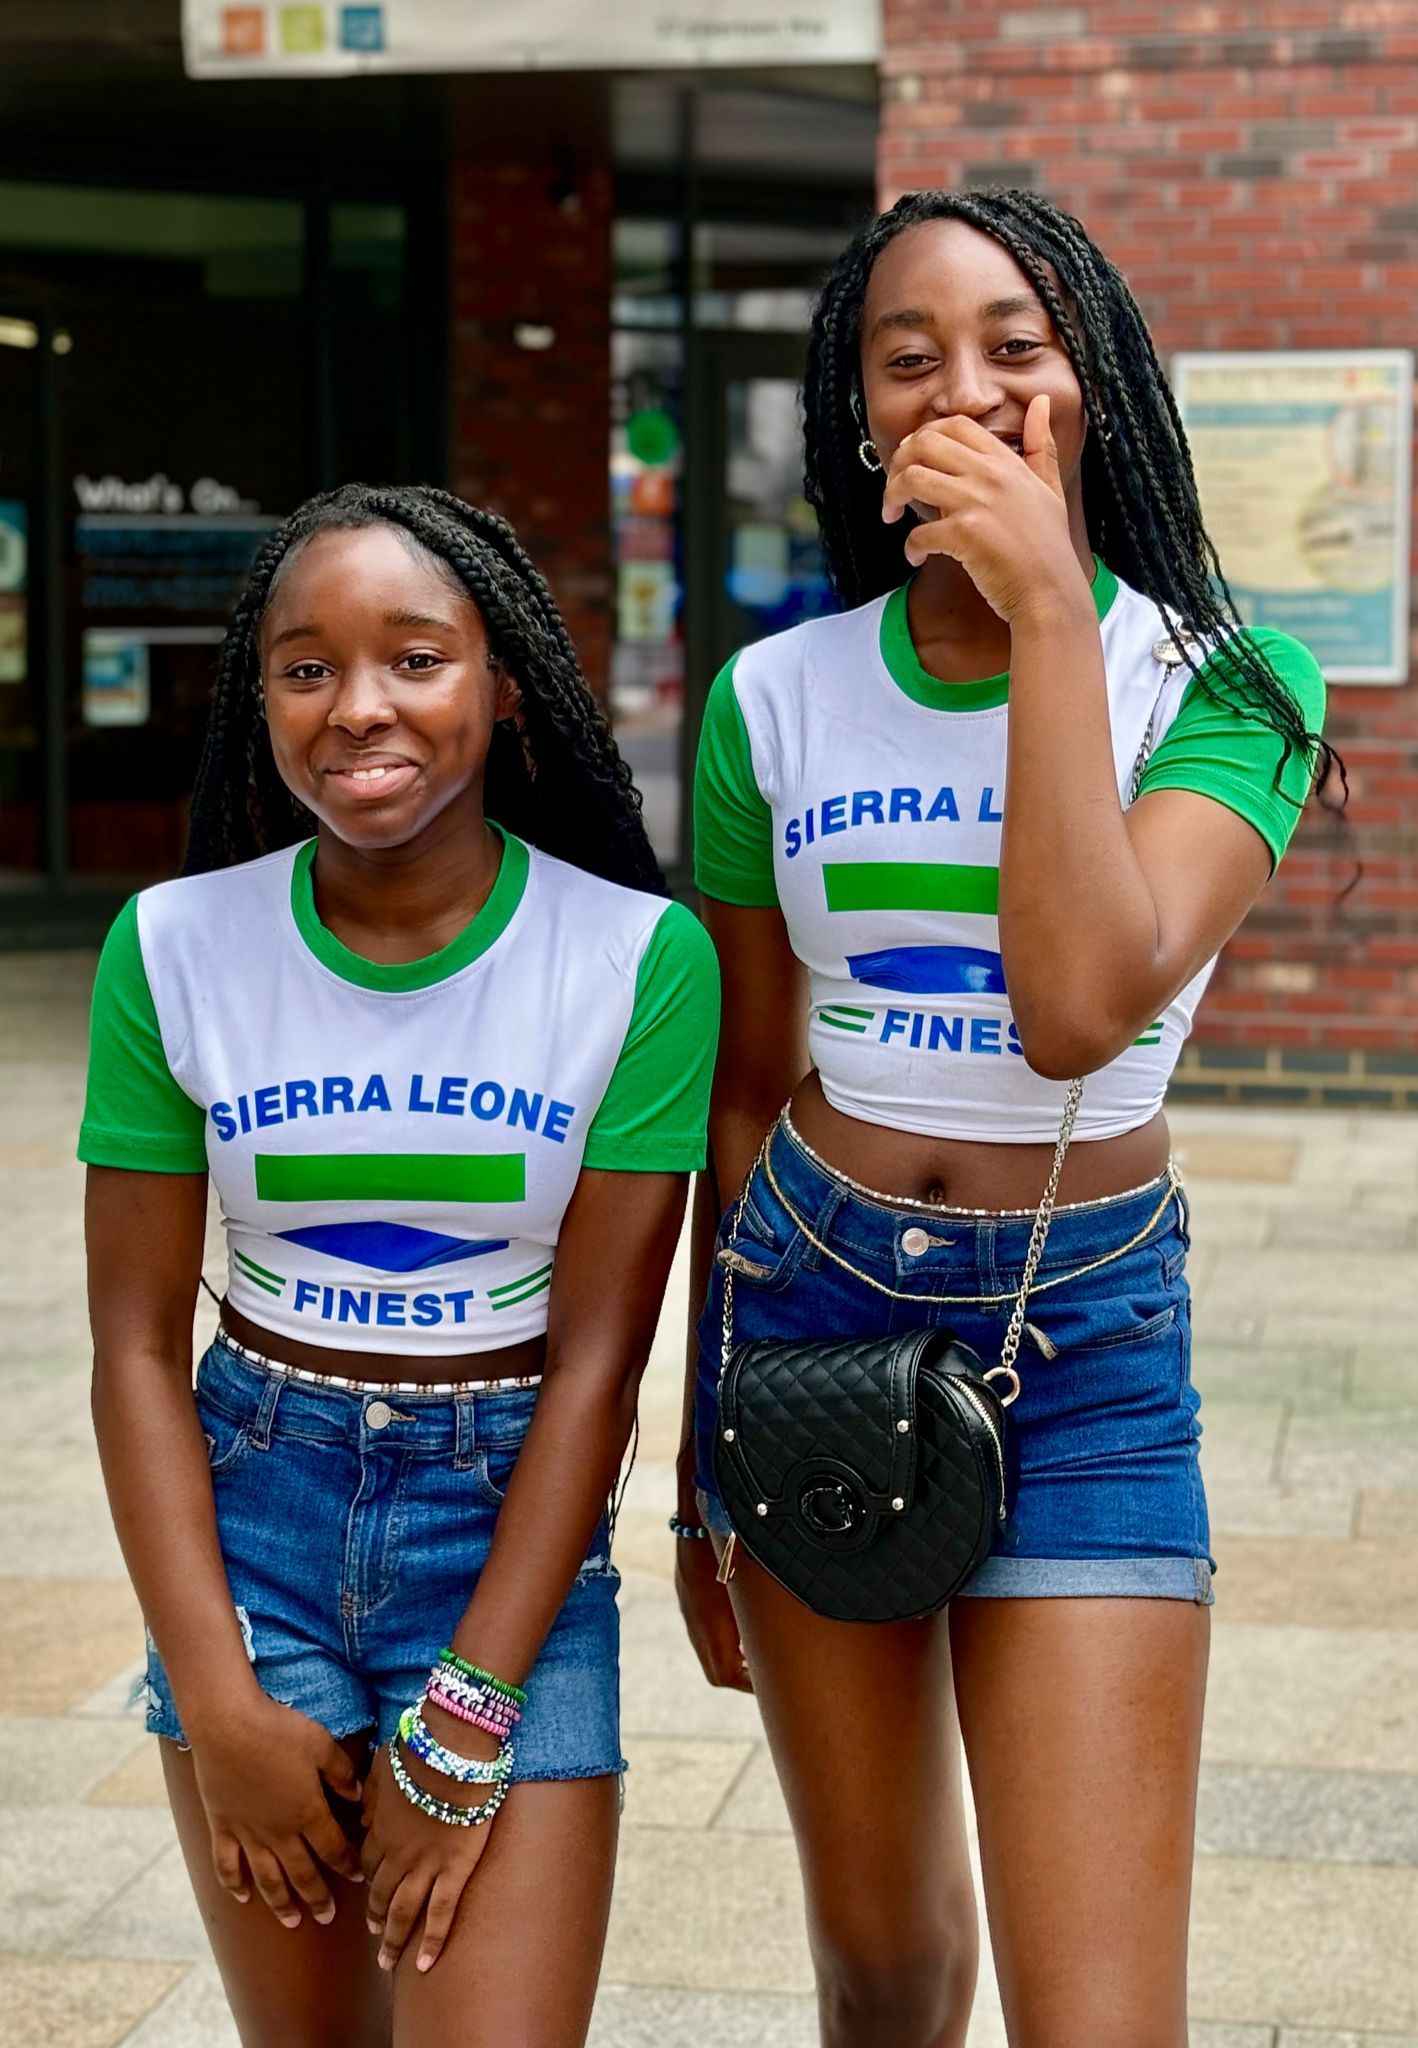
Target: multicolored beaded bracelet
<point>473,1713</point>
<point>448,1655</point>
<point>692,1532</point>
<point>421,1742</point>
<point>453,1681</point>
<point>442,1809</point>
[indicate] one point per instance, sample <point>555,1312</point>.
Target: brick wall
<point>531,249</point>
<point>1251,168</point>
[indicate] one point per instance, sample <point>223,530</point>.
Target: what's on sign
<point>312,38</point>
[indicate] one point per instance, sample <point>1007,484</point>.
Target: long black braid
<point>559,782</point>
<point>1139,493</point>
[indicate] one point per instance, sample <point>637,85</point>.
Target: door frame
<point>715,358</point>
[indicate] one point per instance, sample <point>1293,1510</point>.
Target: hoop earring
<point>869,458</point>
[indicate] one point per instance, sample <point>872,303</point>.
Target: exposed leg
<point>521,1964</point>
<point>304,1987</point>
<point>1082,1724</point>
<point>862,1727</point>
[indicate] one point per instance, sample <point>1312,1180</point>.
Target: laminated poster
<point>1303,465</point>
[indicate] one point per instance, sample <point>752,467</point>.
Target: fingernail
<point>356,1877</point>
<point>425,1962</point>
<point>289,1919</point>
<point>374,1926</point>
<point>242,1898</point>
<point>386,1961</point>
<point>325,1915</point>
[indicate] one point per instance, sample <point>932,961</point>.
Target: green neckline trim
<point>405,976</point>
<point>903,664</point>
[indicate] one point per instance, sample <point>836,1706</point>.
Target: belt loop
<point>260,1432</point>
<point>464,1431</point>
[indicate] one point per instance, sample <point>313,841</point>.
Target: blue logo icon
<point>362,28</point>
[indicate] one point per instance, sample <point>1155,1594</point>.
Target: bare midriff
<point>511,1361</point>
<point>960,1173</point>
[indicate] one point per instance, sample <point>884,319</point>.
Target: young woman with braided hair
<point>934,896</point>
<point>449,1078</point>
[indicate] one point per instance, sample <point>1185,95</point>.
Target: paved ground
<point>1306,1920</point>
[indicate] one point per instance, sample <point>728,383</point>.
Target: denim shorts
<point>1105,1495</point>
<point>353,1528</point>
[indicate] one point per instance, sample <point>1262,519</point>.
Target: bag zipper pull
<point>726,1562</point>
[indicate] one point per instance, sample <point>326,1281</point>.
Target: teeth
<point>368,774</point>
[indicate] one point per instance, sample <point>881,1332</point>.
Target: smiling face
<point>380,698</point>
<point>951,325</point>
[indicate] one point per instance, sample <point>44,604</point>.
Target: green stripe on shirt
<point>391,1177</point>
<point>910,885</point>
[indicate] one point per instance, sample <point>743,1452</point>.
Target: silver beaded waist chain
<point>443,1390</point>
<point>885,1201</point>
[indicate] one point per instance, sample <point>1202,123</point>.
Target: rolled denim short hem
<point>1056,1578</point>
<point>1092,1578</point>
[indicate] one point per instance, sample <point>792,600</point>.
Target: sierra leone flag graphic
<point>384,1245</point>
<point>919,885</point>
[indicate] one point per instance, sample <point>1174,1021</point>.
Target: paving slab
<point>156,1915</point>
<point>1339,1816</point>
<point>695,1910</point>
<point>1303,2037</point>
<point>137,1781</point>
<point>1387,1516</point>
<point>1366,1450</point>
<point>194,2014</point>
<point>60,1865</point>
<point>78,2004</point>
<point>1300,1580</point>
<point>673,1783</point>
<point>53,1762</point>
<point>1255,1375</point>
<point>60,1638</point>
<point>1305,1944</point>
<point>662,1688</point>
<point>1301,1697</point>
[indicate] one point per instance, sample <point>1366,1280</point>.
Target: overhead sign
<point>325,38</point>
<point>1303,465</point>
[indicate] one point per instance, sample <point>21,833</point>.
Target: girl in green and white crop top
<point>840,782</point>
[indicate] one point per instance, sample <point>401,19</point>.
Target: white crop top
<point>878,794</point>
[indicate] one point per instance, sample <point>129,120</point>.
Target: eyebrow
<point>997,309</point>
<point>397,618</point>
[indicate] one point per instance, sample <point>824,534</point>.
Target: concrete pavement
<point>1306,1911</point>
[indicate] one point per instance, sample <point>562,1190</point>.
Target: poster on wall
<point>325,38</point>
<point>1303,462</point>
<point>116,678</point>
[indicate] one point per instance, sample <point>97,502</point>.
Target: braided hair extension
<point>1139,493</point>
<point>559,781</point>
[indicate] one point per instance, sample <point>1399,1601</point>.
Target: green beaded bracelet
<point>475,1671</point>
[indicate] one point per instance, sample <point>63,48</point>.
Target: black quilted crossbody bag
<point>867,1475</point>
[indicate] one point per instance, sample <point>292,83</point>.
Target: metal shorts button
<point>379,1414</point>
<point>915,1241</point>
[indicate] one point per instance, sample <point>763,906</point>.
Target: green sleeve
<point>1223,750</point>
<point>135,1114</point>
<point>733,827</point>
<point>653,1115</point>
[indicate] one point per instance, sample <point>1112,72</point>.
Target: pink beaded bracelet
<point>476,1717</point>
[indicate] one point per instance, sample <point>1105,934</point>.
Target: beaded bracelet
<point>474,1715</point>
<point>453,1681</point>
<point>692,1532</point>
<point>421,1742</point>
<point>442,1809</point>
<point>480,1677</point>
<point>477,1699</point>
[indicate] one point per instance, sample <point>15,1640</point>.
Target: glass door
<point>22,697</point>
<point>755,564</point>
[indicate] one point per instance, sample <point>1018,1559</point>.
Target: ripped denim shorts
<point>353,1529</point>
